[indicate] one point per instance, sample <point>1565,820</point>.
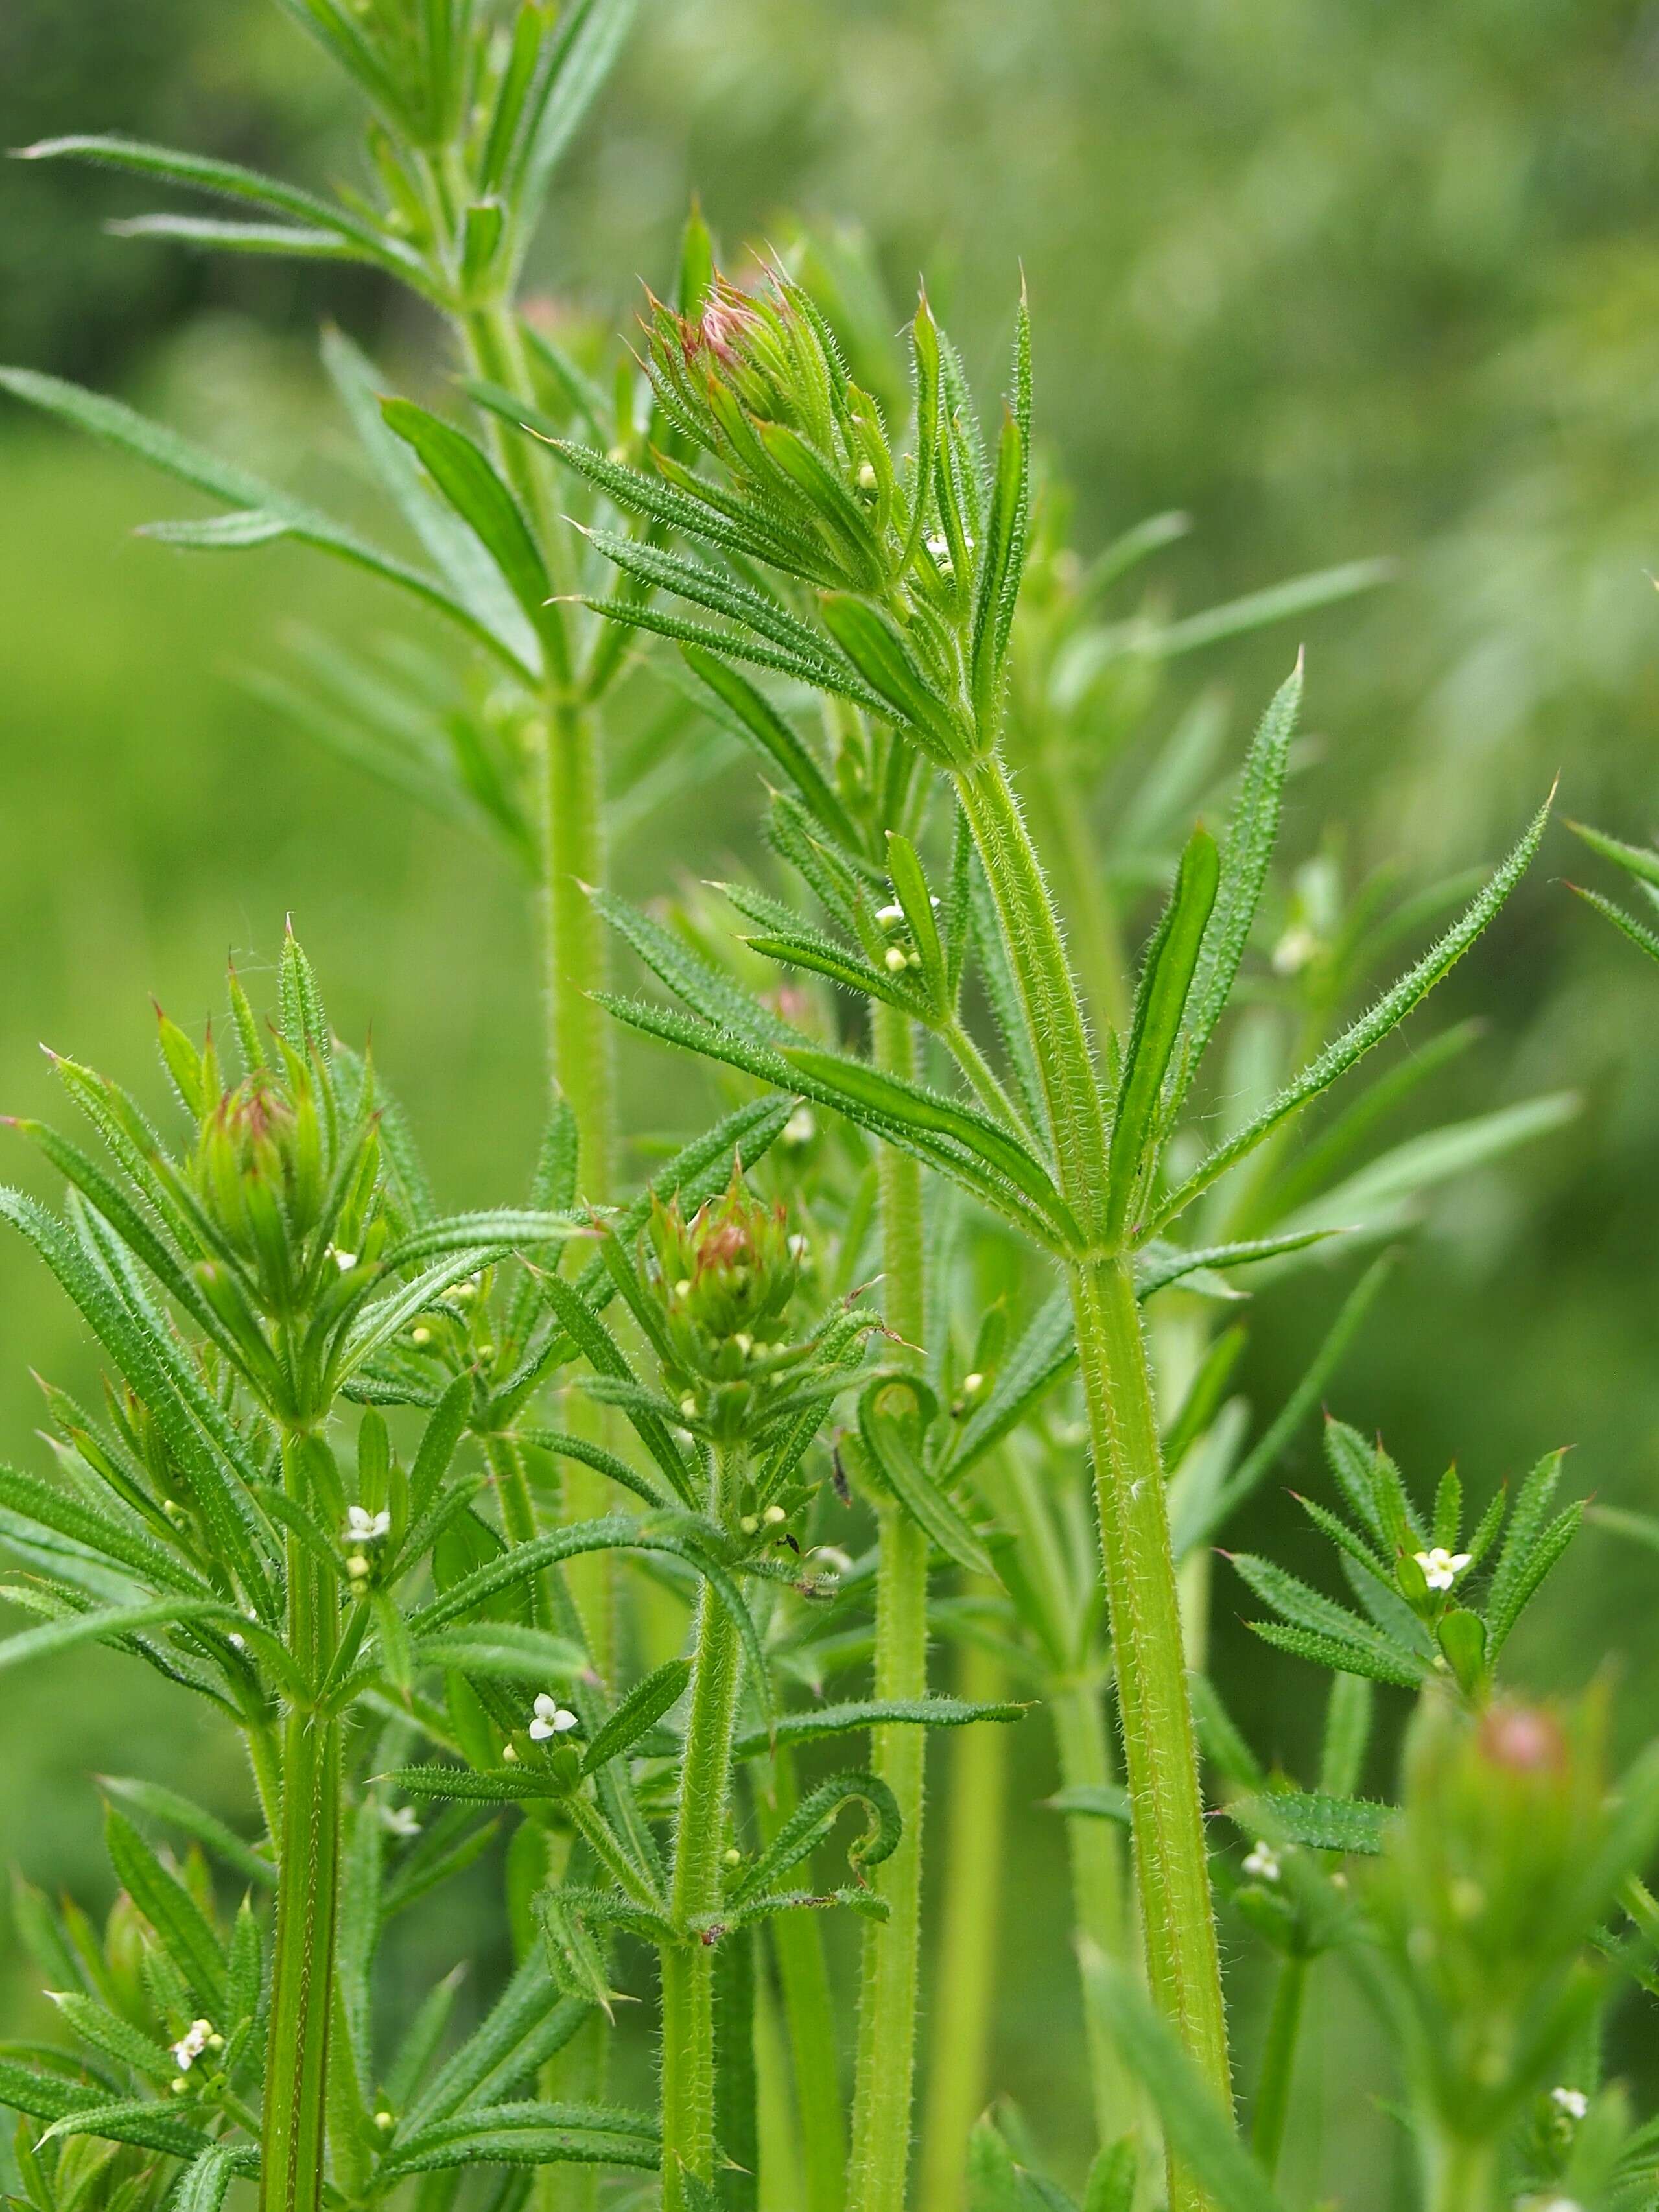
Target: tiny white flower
<point>1573,2102</point>
<point>972,1385</point>
<point>1262,1862</point>
<point>1294,951</point>
<point>551,1718</point>
<point>1441,1568</point>
<point>801,1126</point>
<point>888,914</point>
<point>191,2044</point>
<point>940,545</point>
<point>896,958</point>
<point>363,1526</point>
<point>399,1821</point>
<point>236,1643</point>
<point>345,1261</point>
<point>837,1561</point>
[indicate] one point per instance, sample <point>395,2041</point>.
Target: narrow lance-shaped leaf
<point>910,1104</point>
<point>470,484</point>
<point>1251,835</point>
<point>875,649</point>
<point>1160,1003</point>
<point>812,1822</point>
<point>753,716</point>
<point>1645,940</point>
<point>1361,1036</point>
<point>911,885</point>
<point>642,1709</point>
<point>872,1712</point>
<point>927,1504</point>
<point>169,1906</point>
<point>230,180</point>
<point>120,426</point>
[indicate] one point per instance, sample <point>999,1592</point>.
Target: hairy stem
<point>971,1936</point>
<point>294,2141</point>
<point>888,1971</point>
<point>1272,2095</point>
<point>1161,1767</point>
<point>688,1967</point>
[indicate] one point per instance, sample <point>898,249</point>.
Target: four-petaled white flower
<point>887,914</point>
<point>345,1261</point>
<point>551,1718</point>
<point>191,2044</point>
<point>399,1821</point>
<point>1573,2102</point>
<point>363,1526</point>
<point>1441,1568</point>
<point>1262,1862</point>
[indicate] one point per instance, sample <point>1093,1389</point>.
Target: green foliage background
<point>1337,281</point>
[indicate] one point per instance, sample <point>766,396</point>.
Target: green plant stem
<point>1272,2095</point>
<point>884,2061</point>
<point>688,1967</point>
<point>1463,2173</point>
<point>971,1936</point>
<point>1161,1767</point>
<point>1084,1745</point>
<point>293,2140</point>
<point>809,2010</point>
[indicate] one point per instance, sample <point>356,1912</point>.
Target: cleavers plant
<point>950,1281</point>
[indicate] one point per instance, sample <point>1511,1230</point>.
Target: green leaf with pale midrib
<point>1322,1823</point>
<point>873,1712</point>
<point>1369,1030</point>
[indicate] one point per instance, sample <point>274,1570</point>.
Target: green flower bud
<point>726,1277</point>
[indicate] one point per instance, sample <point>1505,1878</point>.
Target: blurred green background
<point>1337,280</point>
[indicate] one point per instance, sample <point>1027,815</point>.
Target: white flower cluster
<point>1262,1862</point>
<point>550,1719</point>
<point>193,2042</point>
<point>1441,1568</point>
